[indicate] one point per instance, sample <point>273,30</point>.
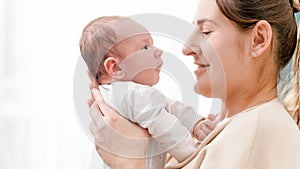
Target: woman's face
<point>219,51</point>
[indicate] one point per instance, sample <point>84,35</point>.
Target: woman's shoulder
<point>267,117</point>
<point>270,116</point>
<point>275,115</point>
<point>261,134</point>
<point>275,138</point>
<point>254,138</point>
<point>264,125</point>
<point>269,126</point>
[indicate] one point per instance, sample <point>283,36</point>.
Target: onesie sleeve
<point>187,115</point>
<point>147,106</point>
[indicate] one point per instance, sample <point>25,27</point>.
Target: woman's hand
<point>93,84</point>
<point>120,143</point>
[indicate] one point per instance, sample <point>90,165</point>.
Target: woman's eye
<point>145,47</point>
<point>206,32</point>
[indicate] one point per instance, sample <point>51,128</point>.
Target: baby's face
<point>141,61</point>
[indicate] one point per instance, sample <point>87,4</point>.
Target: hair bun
<point>296,5</point>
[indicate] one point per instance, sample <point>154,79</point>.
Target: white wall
<point>38,53</point>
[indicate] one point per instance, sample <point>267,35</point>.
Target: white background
<point>39,48</point>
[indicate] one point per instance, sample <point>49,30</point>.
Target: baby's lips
<point>160,64</point>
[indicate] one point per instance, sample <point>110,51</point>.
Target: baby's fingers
<point>209,124</point>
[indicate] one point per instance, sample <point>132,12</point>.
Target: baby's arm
<point>186,114</point>
<point>147,106</point>
<point>198,125</point>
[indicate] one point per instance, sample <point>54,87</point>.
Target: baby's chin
<point>155,82</point>
<point>149,82</point>
<point>147,79</point>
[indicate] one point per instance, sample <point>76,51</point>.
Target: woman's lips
<point>201,68</point>
<point>203,65</point>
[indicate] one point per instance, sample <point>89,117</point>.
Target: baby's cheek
<point>139,62</point>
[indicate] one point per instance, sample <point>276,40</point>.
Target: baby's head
<point>119,49</point>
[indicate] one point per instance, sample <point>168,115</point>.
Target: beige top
<point>263,137</point>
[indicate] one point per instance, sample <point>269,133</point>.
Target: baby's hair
<point>96,44</point>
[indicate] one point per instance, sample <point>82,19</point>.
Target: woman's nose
<point>188,51</point>
<point>192,45</point>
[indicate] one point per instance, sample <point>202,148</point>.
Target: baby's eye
<point>145,47</point>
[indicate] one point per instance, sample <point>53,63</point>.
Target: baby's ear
<point>111,65</point>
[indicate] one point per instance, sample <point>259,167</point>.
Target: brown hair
<point>280,15</point>
<point>96,43</point>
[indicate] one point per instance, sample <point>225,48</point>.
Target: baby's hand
<point>204,127</point>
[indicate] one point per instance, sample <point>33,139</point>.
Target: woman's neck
<point>238,103</point>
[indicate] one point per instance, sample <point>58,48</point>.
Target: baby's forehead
<point>125,28</point>
<point>143,38</point>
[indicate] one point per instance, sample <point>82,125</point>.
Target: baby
<point>120,54</point>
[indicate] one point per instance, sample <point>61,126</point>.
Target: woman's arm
<point>120,143</point>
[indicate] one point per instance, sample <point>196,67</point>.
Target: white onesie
<point>170,123</point>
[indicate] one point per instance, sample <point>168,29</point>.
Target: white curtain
<point>38,125</point>
<point>39,49</point>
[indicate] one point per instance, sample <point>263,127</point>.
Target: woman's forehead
<point>206,10</point>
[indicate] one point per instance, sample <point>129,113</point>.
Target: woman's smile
<point>201,68</point>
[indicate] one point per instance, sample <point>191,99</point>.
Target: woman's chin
<point>204,91</point>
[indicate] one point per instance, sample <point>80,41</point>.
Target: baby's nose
<point>158,53</point>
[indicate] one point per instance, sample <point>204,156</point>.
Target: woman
<point>253,40</point>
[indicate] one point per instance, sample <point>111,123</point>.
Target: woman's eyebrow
<point>202,21</point>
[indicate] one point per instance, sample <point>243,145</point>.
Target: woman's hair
<point>280,15</point>
<point>96,43</point>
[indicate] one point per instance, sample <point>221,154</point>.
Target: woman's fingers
<point>110,129</point>
<point>104,108</point>
<point>114,119</point>
<point>92,78</point>
<point>119,141</point>
<point>90,102</point>
<point>97,116</point>
<point>116,161</point>
<point>98,96</point>
<point>93,84</point>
